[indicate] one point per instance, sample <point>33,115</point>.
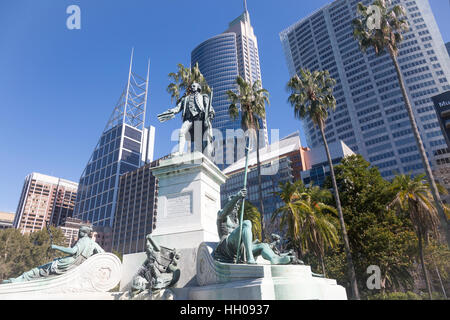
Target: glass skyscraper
<point>370,116</point>
<point>221,59</point>
<point>124,146</point>
<point>217,60</point>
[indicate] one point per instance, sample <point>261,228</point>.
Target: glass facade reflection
<point>117,153</point>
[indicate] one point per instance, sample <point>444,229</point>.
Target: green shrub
<point>395,296</point>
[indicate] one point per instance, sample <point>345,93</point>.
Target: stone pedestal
<point>188,201</point>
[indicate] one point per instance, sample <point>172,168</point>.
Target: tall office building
<point>221,59</point>
<point>124,145</point>
<point>44,199</point>
<point>370,116</point>
<point>136,209</point>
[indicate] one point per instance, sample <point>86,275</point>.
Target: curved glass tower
<point>217,59</point>
<point>221,60</point>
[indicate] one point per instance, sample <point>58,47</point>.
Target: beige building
<point>101,235</point>
<point>70,230</point>
<point>44,199</point>
<point>6,220</point>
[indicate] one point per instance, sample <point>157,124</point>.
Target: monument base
<point>277,288</point>
<point>226,281</point>
<point>203,278</point>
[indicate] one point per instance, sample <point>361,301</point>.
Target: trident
<point>241,218</point>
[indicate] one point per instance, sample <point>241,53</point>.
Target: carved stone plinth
<point>98,274</point>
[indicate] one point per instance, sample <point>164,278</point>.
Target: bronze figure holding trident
<point>236,240</point>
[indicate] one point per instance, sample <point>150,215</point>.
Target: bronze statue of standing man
<point>197,110</point>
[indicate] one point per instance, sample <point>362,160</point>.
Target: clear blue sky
<point>59,86</point>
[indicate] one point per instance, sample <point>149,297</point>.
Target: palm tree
<point>414,198</point>
<point>252,214</point>
<point>252,100</point>
<point>290,217</point>
<point>305,215</point>
<point>388,37</point>
<point>317,230</point>
<point>182,80</point>
<point>312,96</point>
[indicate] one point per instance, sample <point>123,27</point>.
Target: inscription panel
<point>178,205</point>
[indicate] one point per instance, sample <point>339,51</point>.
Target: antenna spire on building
<point>124,146</point>
<point>245,5</point>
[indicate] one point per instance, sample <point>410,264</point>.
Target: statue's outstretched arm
<point>170,114</point>
<point>67,250</point>
<point>177,108</point>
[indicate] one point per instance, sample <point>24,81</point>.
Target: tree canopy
<point>20,253</point>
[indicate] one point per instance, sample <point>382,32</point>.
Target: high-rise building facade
<point>224,57</point>
<point>370,116</point>
<point>136,209</point>
<point>447,45</point>
<point>124,146</point>
<point>44,199</point>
